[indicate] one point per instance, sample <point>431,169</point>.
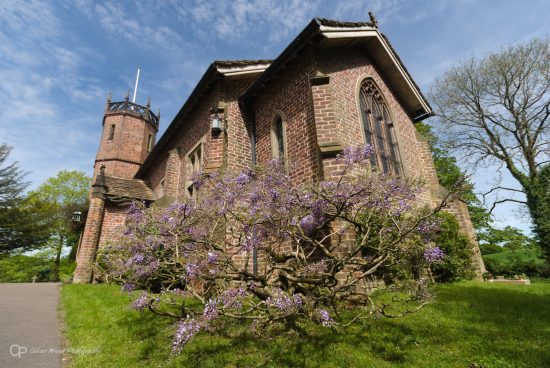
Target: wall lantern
<point>77,216</point>
<point>216,119</point>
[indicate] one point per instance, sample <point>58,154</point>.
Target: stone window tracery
<point>379,129</point>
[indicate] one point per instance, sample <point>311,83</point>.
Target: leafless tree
<point>495,111</point>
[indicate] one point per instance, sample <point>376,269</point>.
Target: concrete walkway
<point>29,328</point>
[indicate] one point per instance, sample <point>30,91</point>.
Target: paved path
<point>29,328</point>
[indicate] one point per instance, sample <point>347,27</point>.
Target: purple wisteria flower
<point>192,270</point>
<point>428,226</point>
<point>232,298</point>
<point>185,331</point>
<point>128,288</point>
<point>310,223</point>
<point>315,268</point>
<point>135,212</point>
<point>434,254</point>
<point>355,155</point>
<point>198,178</point>
<point>244,177</point>
<point>142,302</point>
<point>212,257</point>
<point>283,301</point>
<point>210,311</point>
<point>325,318</point>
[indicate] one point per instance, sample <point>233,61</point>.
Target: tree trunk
<point>58,258</point>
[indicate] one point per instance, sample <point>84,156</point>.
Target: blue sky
<point>58,60</point>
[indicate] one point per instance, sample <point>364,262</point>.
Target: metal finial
<point>148,102</point>
<point>109,95</point>
<point>158,113</point>
<point>127,97</point>
<point>373,19</point>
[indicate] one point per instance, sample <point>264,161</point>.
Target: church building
<point>337,84</point>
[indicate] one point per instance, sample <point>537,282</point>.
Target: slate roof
<point>128,188</point>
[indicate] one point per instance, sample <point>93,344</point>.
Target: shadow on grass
<point>488,326</point>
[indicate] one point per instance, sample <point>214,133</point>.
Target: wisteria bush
<point>256,248</point>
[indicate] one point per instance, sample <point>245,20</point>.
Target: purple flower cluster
<point>135,212</point>
<point>244,177</point>
<point>428,226</point>
<point>192,271</point>
<point>210,311</point>
<point>325,318</point>
<point>212,257</point>
<point>198,178</point>
<point>315,268</point>
<point>283,301</point>
<point>128,288</point>
<point>142,302</point>
<point>232,298</point>
<point>356,155</point>
<point>185,331</point>
<point>434,254</point>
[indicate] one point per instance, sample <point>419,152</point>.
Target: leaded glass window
<point>379,129</point>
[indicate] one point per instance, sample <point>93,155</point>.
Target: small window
<point>379,129</point>
<point>278,141</point>
<point>194,165</point>
<point>150,143</point>
<point>111,132</point>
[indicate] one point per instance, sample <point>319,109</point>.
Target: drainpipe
<point>252,119</point>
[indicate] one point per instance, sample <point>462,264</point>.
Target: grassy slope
<point>485,324</point>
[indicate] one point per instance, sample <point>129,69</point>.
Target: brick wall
<point>88,247</point>
<point>289,95</point>
<point>113,222</point>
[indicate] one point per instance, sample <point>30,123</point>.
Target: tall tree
<point>495,111</point>
<point>63,194</point>
<point>22,225</point>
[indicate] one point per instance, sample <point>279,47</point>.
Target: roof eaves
<point>430,111</point>
<point>209,75</point>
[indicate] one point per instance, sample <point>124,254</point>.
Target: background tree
<point>494,111</point>
<point>22,225</point>
<point>61,196</point>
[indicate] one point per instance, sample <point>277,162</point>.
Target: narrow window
<point>278,142</point>
<point>150,143</point>
<point>194,166</point>
<point>111,132</point>
<point>379,129</point>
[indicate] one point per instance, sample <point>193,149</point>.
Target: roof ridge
<point>338,23</point>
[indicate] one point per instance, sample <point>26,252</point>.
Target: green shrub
<point>457,263</point>
<point>488,248</point>
<point>22,268</point>
<point>527,261</point>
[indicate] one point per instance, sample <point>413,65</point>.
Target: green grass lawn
<point>468,324</point>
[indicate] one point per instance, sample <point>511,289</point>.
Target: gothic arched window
<point>278,139</point>
<point>379,129</point>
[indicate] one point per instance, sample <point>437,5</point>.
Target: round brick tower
<point>129,132</point>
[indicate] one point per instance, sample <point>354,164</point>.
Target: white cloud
<point>238,20</point>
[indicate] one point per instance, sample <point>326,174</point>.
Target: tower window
<point>194,166</point>
<point>111,132</point>
<point>379,130</point>
<point>278,141</point>
<point>150,141</point>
